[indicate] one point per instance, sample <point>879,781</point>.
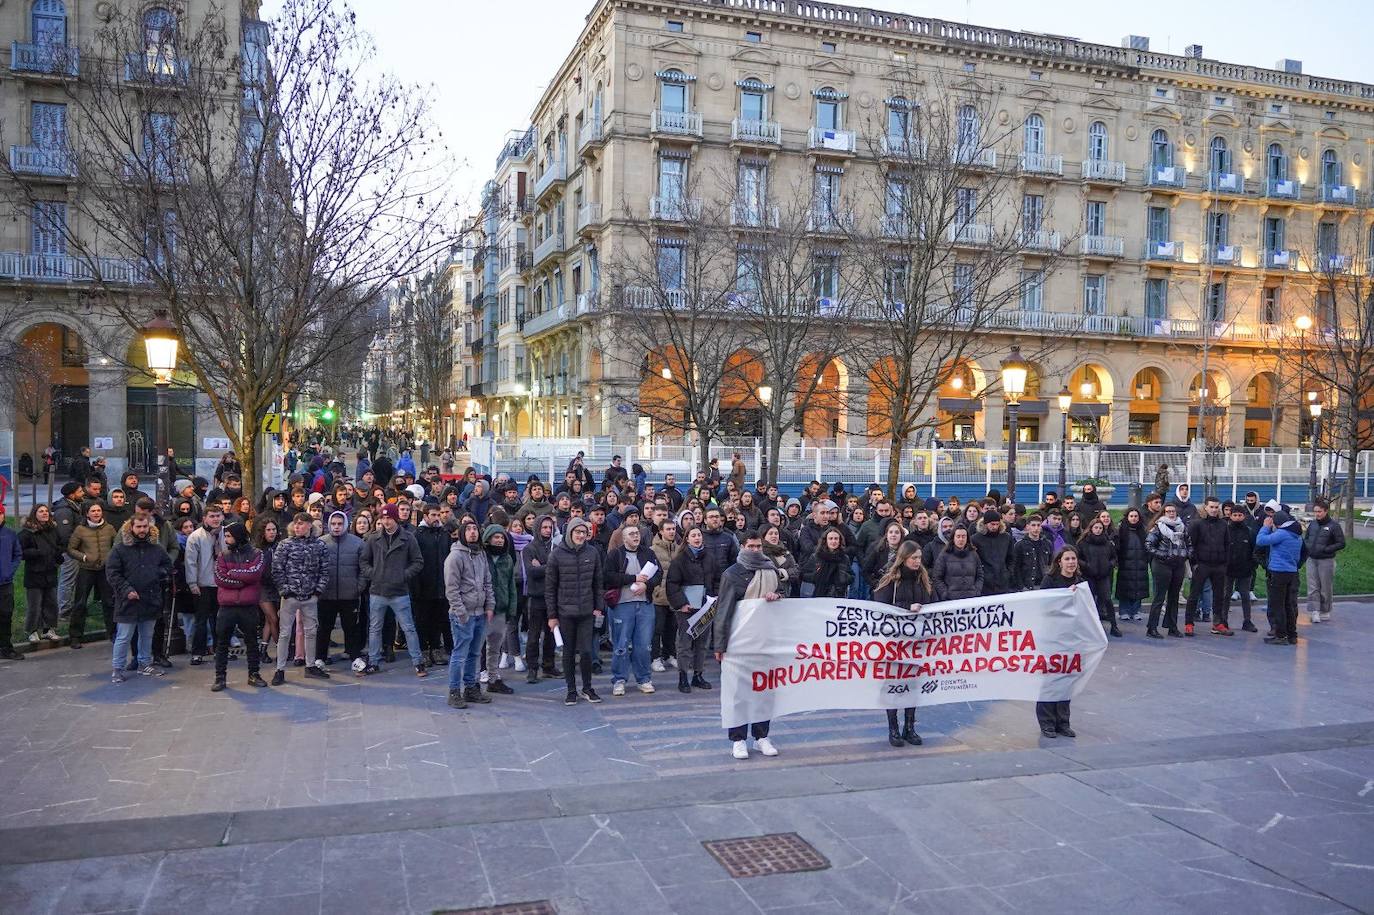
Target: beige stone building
<point>1197,204</point>
<point>99,396</point>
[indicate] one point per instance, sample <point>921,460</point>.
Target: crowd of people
<point>495,578</point>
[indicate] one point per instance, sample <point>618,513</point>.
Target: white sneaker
<point>766,746</point>
<point>505,662</point>
<point>33,638</point>
<point>657,666</point>
<point>671,662</point>
<point>618,689</point>
<point>1253,596</point>
<point>51,634</point>
<point>1235,595</point>
<point>520,664</point>
<point>1316,616</point>
<point>646,688</point>
<point>483,678</point>
<point>741,749</point>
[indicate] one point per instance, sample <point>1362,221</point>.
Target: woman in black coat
<point>1064,573</point>
<point>38,542</point>
<point>1132,565</point>
<point>958,572</point>
<point>829,570</point>
<point>883,553</point>
<point>905,585</point>
<point>1097,559</point>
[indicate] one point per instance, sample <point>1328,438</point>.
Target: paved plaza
<point>1217,775</point>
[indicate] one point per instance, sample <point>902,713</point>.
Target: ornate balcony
<point>1160,250</point>
<point>831,141</point>
<point>57,61</point>
<point>42,162</point>
<point>1104,171</point>
<point>1042,165</point>
<point>1166,177</point>
<point>755,133</point>
<point>1225,183</point>
<point>675,123</point>
<point>1224,255</point>
<point>1102,246</point>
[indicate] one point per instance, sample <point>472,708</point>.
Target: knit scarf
<point>765,580</point>
<point>1173,529</point>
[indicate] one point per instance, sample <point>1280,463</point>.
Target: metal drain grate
<point>541,907</point>
<point>760,856</point>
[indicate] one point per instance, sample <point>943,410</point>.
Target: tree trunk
<point>248,454</point>
<point>894,467</point>
<point>704,454</point>
<point>774,452</point>
<point>1351,477</point>
<point>33,487</point>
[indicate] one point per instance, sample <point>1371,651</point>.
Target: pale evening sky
<point>488,62</point>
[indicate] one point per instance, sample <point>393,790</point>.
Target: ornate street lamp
<point>1014,373</point>
<point>160,345</point>
<point>765,398</point>
<point>1315,408</point>
<point>1065,404</point>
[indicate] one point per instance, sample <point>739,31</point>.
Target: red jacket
<point>237,575</point>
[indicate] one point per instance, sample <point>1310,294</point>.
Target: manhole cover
<point>759,856</point>
<point>542,907</point>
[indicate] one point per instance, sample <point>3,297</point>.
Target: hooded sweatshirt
<point>467,582</point>
<point>502,572</point>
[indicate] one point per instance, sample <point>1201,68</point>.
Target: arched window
<point>1034,140</point>
<point>827,108</point>
<point>1331,168</point>
<point>967,128</point>
<point>160,41</point>
<point>1097,141</point>
<point>1278,163</point>
<point>1161,150</point>
<point>1219,157</point>
<point>598,104</point>
<point>673,91</point>
<point>49,23</point>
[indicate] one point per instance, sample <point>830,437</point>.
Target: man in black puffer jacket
<point>1207,534</point>
<point>137,570</point>
<point>994,549</point>
<point>1031,557</point>
<point>427,597</point>
<point>575,594</point>
<point>1240,562</point>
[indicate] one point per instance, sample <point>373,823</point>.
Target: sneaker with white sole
<point>151,671</point>
<point>1316,616</point>
<point>646,688</point>
<point>671,662</point>
<point>657,666</point>
<point>766,747</point>
<point>520,665</point>
<point>483,677</point>
<point>618,688</point>
<point>504,663</point>
<point>740,750</point>
<point>34,638</point>
<point>51,635</point>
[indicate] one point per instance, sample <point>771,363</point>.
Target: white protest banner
<point>793,656</point>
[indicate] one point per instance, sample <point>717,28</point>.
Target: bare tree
<point>673,284</point>
<point>429,332</point>
<point>955,254</point>
<point>262,194</point>
<point>1337,354</point>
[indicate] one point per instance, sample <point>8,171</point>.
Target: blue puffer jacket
<point>1284,541</point>
<point>10,555</point>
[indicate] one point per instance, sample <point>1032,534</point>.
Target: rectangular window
<point>1094,294</point>
<point>1270,307</point>
<point>752,106</point>
<point>1095,219</point>
<point>674,25</point>
<point>1326,310</point>
<point>828,47</point>
<point>754,37</point>
<point>48,125</point>
<point>751,192</point>
<point>1327,241</point>
<point>1157,224</point>
<point>1157,298</point>
<point>746,273</point>
<point>894,283</point>
<point>827,199</point>
<point>1032,290</point>
<point>49,228</point>
<point>1216,302</point>
<point>1273,233</point>
<point>1032,212</point>
<point>965,205</point>
<point>672,266</point>
<point>895,203</point>
<point>1218,229</point>
<point>963,285</point>
<point>672,177</point>
<point>827,279</point>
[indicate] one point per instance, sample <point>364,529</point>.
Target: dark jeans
<point>1168,578</point>
<point>1283,604</point>
<point>1054,715</point>
<point>431,624</point>
<point>207,607</point>
<point>665,634</point>
<point>1102,594</point>
<point>578,642</point>
<point>86,580</point>
<point>757,730</point>
<point>691,652</point>
<point>332,611</point>
<point>247,618</point>
<point>1241,585</point>
<point>1216,574</point>
<point>539,646</point>
<point>6,616</point>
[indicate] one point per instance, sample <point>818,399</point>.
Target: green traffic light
<point>327,415</point>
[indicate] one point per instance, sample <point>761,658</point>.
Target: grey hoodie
<point>467,583</point>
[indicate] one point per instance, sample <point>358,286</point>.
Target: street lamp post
<point>1014,372</point>
<point>766,398</point>
<point>160,346</point>
<point>1065,403</point>
<point>1315,408</point>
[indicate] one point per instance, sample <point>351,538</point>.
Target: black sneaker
<point>420,671</point>
<point>255,680</point>
<point>163,662</point>
<point>197,660</point>
<point>316,673</point>
<point>699,682</point>
<point>590,695</point>
<point>279,677</point>
<point>500,688</point>
<point>1248,626</point>
<point>474,694</point>
<point>532,677</point>
<point>218,685</point>
<point>299,662</point>
<point>570,698</point>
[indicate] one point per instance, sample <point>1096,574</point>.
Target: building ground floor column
<point>108,423</point>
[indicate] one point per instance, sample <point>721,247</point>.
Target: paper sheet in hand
<point>700,622</point>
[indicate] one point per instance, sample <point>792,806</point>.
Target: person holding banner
<point>753,576</point>
<point>1064,573</point>
<point>687,583</point>
<point>906,586</point>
